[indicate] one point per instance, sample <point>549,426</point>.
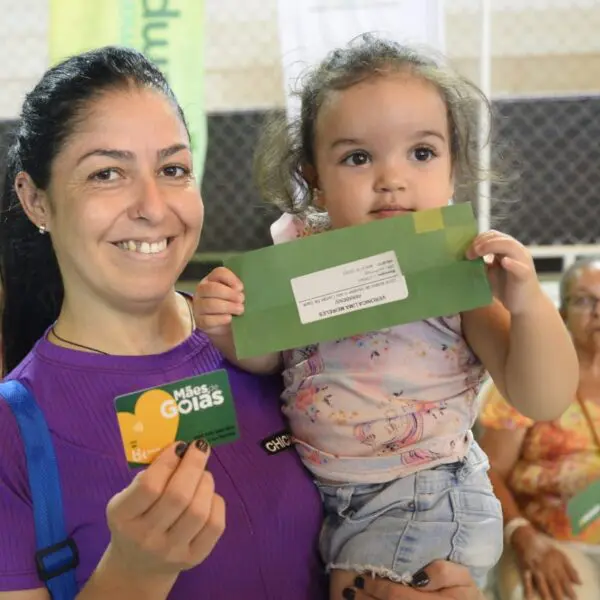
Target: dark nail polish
<point>202,445</point>
<point>349,594</point>
<point>359,583</point>
<point>420,579</point>
<point>181,449</point>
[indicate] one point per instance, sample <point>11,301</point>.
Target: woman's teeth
<point>143,247</point>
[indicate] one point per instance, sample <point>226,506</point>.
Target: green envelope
<point>350,281</point>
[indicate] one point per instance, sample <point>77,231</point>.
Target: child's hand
<point>218,297</point>
<point>511,273</point>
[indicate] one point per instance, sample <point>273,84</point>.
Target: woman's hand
<point>441,580</point>
<point>169,518</point>
<point>544,568</point>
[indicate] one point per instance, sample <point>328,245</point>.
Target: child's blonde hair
<point>286,148</point>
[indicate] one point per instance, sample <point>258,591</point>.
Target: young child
<point>383,420</point>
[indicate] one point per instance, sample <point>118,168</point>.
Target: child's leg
<point>393,530</point>
<point>477,513</point>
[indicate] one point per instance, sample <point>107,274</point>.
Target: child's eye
<point>357,159</point>
<point>423,154</point>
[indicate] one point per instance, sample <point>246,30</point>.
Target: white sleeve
<point>287,228</point>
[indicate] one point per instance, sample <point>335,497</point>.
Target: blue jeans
<point>394,529</point>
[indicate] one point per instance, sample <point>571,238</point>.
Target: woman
<point>101,214</point>
<point>537,467</point>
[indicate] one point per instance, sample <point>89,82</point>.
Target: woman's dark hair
<point>285,149</point>
<point>32,287</point>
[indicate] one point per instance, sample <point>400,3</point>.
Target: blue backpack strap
<point>56,556</point>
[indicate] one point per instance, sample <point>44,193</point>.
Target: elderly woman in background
<point>536,468</point>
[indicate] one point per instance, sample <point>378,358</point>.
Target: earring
<point>316,192</point>
<point>42,229</point>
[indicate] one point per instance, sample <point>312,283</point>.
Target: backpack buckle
<point>57,559</point>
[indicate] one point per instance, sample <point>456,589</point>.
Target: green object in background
<point>350,281</point>
<point>584,508</point>
<point>169,32</point>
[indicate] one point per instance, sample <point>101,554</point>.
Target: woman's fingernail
<point>420,579</point>
<point>349,594</point>
<point>181,449</point>
<point>359,582</point>
<point>202,445</point>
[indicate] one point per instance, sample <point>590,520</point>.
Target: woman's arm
<point>166,521</point>
<point>38,594</point>
<point>544,568</point>
<point>503,447</point>
<point>110,580</point>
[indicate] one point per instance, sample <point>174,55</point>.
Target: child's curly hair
<point>286,148</point>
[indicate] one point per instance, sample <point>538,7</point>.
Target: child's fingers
<point>226,277</point>
<point>217,307</point>
<point>214,289</point>
<point>518,269</point>
<point>212,323</point>
<point>502,246</point>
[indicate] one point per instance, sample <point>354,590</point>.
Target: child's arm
<point>220,296</point>
<point>521,338</point>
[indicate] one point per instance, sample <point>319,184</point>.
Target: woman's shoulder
<point>13,470</point>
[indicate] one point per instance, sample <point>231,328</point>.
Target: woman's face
<point>582,313</point>
<point>125,212</point>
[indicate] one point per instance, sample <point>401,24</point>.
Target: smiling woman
<point>101,213</point>
<point>119,191</point>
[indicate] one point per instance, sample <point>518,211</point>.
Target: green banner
<point>169,32</point>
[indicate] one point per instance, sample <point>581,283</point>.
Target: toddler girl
<point>383,420</point>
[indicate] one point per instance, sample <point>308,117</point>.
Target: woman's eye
<point>105,175</point>
<point>176,171</point>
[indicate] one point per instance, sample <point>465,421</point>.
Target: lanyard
<point>588,418</point>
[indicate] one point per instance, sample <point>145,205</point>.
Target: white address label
<point>350,287</point>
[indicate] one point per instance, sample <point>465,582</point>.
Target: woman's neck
<point>589,360</point>
<point>131,331</point>
<point>589,374</point>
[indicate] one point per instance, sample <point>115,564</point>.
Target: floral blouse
<point>558,459</point>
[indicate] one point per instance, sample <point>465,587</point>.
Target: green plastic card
<point>184,410</point>
<point>350,281</point>
<point>584,508</point>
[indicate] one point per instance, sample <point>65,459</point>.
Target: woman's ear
<point>33,200</point>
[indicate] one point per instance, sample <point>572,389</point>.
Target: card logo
<point>189,398</point>
<point>278,442</point>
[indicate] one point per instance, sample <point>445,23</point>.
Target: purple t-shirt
<point>269,548</point>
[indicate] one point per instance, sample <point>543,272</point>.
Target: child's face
<point>382,149</point>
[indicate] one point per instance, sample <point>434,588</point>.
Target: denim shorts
<point>396,528</point>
